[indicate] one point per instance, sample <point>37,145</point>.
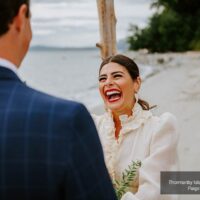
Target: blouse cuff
<point>129,196</point>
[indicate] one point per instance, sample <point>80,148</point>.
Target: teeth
<point>112,92</point>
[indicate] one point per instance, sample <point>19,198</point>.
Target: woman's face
<point>117,88</point>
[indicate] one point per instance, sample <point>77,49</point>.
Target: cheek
<point>128,90</point>
<point>124,85</point>
<point>129,95</point>
<point>101,90</point>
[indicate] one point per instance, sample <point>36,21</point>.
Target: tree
<point>176,28</point>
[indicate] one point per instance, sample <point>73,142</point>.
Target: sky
<point>69,23</point>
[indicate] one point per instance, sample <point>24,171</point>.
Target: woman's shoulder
<point>98,119</point>
<point>166,119</point>
<point>164,128</point>
<point>103,121</point>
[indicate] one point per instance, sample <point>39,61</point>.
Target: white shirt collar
<point>7,64</point>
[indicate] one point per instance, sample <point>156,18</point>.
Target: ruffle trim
<point>129,124</point>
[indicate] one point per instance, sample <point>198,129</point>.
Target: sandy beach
<point>175,87</point>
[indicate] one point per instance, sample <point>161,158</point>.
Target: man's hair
<point>8,10</point>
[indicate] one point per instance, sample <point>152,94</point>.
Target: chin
<point>114,107</point>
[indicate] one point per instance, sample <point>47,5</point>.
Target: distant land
<point>122,45</point>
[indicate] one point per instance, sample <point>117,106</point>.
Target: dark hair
<point>132,69</point>
<point>8,10</point>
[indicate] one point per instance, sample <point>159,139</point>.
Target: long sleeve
<point>163,157</point>
<point>87,174</point>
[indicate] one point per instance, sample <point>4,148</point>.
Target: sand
<point>175,87</point>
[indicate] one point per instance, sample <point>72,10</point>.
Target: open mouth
<point>113,95</point>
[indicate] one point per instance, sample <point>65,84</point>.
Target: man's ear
<point>20,18</point>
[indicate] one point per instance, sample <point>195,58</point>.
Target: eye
<point>102,79</point>
<point>117,76</point>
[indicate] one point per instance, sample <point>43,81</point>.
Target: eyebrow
<point>113,73</point>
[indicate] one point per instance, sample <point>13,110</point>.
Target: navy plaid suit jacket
<point>49,148</point>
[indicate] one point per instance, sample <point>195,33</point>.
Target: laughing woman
<point>130,132</point>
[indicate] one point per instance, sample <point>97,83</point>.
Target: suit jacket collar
<point>8,74</point>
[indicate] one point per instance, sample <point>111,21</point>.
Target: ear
<point>137,84</point>
<point>19,20</point>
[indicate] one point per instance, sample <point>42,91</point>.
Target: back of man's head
<point>8,10</point>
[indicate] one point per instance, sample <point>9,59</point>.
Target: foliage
<point>128,176</point>
<point>175,28</point>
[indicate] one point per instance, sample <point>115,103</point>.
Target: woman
<point>129,131</point>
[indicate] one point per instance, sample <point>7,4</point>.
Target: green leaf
<point>128,176</point>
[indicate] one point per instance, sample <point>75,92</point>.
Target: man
<point>49,148</point>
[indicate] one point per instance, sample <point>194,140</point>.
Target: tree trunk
<point>107,25</point>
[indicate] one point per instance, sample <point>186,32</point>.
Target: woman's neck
<point>117,121</point>
<point>118,126</point>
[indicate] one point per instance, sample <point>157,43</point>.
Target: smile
<point>113,95</point>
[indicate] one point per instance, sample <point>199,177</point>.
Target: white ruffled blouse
<point>144,137</point>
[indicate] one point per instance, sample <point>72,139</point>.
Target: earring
<point>136,97</point>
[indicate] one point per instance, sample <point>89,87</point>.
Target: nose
<point>109,81</point>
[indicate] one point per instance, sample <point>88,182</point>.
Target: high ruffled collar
<point>129,123</point>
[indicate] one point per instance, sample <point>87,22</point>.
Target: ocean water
<point>70,73</point>
<point>63,60</point>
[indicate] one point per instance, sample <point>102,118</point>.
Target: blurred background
<point>63,59</point>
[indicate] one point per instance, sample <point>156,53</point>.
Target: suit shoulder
<point>44,100</point>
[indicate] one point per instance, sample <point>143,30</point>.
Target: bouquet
<point>129,175</point>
